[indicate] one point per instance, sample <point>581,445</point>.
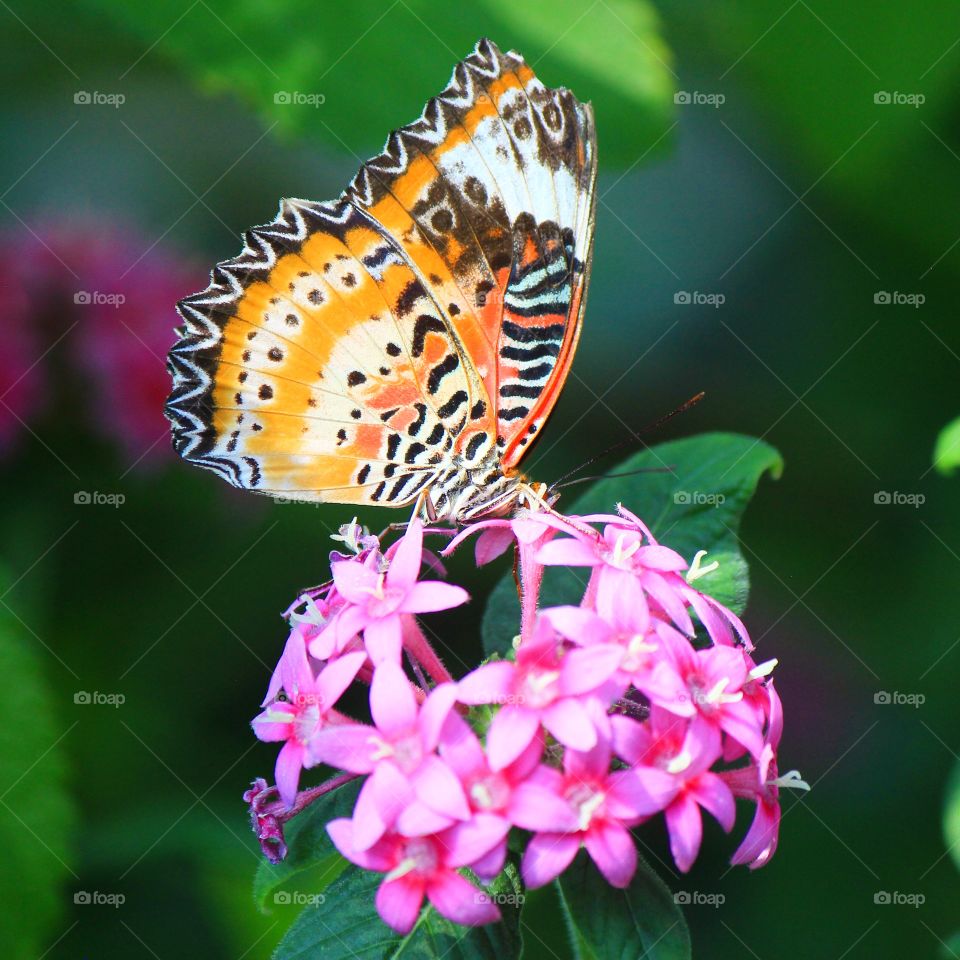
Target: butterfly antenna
<point>635,437</point>
<point>611,476</point>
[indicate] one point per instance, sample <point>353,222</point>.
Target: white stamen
<point>696,571</point>
<point>680,762</point>
<point>790,781</point>
<point>716,694</point>
<point>312,613</point>
<point>349,535</point>
<point>377,591</point>
<point>621,553</point>
<point>763,669</point>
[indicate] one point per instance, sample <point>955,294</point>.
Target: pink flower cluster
<point>605,715</point>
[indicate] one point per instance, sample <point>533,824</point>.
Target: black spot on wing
<point>447,365</point>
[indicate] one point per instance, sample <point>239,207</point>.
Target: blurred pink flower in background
<point>109,292</point>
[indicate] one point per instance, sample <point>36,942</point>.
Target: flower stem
<point>419,648</point>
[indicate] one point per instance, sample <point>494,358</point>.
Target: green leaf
<point>642,921</point>
<point>946,454</point>
<point>346,926</point>
<point>951,816</point>
<point>36,815</point>
<point>375,65</point>
<point>312,861</point>
<point>696,505</point>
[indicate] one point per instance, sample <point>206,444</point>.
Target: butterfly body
<point>404,343</point>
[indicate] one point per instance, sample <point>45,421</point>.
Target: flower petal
<point>436,785</point>
<point>381,800</point>
<point>492,543</point>
<point>579,625</point>
<point>460,747</point>
<point>760,843</point>
<point>354,580</point>
<point>570,723</point>
<point>428,596</point>
<point>287,771</point>
<point>670,597</point>
<point>547,856</point>
<point>393,704</point>
<point>459,900</point>
<point>639,792</point>
<point>349,746</point>
<point>377,857</point>
<point>612,849</point>
<point>490,683</point>
<point>715,796</point>
<point>336,676</point>
<point>416,819</point>
<point>346,625</point>
<point>510,733</point>
<point>686,831</point>
<point>398,902</point>
<point>467,842</point>
<point>405,564</point>
<point>275,723</point>
<point>568,552</point>
<point>586,669</point>
<point>435,712</point>
<point>489,865</point>
<point>535,807</point>
<point>384,640</point>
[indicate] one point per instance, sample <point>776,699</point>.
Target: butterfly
<point>406,342</point>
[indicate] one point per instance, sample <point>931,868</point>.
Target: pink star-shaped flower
<point>543,686</point>
<point>685,749</point>
<point>298,719</point>
<point>426,866</point>
<point>378,600</point>
<point>399,753</point>
<point>600,806</point>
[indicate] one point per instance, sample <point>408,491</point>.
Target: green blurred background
<point>803,179</point>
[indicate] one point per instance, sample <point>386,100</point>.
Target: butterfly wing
<point>317,364</point>
<point>365,349</point>
<point>549,138</point>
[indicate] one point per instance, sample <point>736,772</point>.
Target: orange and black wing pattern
<point>408,337</point>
